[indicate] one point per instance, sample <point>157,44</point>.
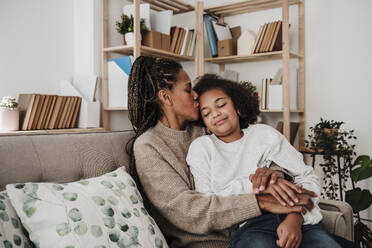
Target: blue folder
<point>212,41</point>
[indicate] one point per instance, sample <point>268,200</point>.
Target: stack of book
<point>182,41</point>
<point>269,38</point>
<point>48,111</point>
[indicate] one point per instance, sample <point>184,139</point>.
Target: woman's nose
<point>195,95</point>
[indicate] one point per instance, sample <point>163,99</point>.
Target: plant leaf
<point>363,171</point>
<point>358,199</point>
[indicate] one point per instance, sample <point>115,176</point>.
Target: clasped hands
<point>277,195</point>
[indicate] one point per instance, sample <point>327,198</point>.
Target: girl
<point>161,105</point>
<point>222,162</point>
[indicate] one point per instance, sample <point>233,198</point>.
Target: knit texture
<point>186,218</point>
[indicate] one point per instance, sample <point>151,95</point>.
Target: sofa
<point>71,157</point>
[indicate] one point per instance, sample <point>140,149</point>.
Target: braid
<point>147,77</point>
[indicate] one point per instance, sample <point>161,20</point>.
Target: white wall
<point>36,45</point>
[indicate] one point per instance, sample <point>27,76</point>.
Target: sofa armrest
<point>338,218</point>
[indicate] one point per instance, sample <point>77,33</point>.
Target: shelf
<point>176,6</point>
<point>128,50</point>
<point>280,111</point>
<point>247,6</point>
<point>251,57</point>
<point>53,131</point>
<point>115,108</point>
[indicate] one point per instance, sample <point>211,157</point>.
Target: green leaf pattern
<point>11,235</point>
<point>106,211</point>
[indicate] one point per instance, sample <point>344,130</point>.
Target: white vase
<point>9,119</point>
<point>129,38</point>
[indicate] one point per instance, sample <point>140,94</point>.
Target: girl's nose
<point>216,113</point>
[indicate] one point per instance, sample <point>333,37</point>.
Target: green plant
<point>250,86</point>
<point>126,25</point>
<point>8,102</point>
<point>360,199</point>
<point>329,144</point>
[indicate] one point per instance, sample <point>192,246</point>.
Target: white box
<point>118,75</point>
<point>275,97</point>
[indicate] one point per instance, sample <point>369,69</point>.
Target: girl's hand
<point>289,231</point>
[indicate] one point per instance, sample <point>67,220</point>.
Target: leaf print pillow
<point>105,211</point>
<point>11,230</point>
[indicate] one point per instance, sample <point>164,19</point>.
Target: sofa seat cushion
<point>11,231</point>
<point>106,211</point>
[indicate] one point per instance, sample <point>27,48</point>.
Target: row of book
<point>48,111</point>
<point>182,41</point>
<point>269,38</point>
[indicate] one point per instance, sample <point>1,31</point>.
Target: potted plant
<point>327,139</point>
<point>9,114</point>
<point>360,199</point>
<point>253,89</point>
<point>126,27</point>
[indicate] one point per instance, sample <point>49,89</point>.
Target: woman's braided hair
<point>147,77</point>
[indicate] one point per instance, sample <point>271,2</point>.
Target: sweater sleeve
<point>182,206</point>
<point>286,156</point>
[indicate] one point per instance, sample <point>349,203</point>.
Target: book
<point>192,47</point>
<point>50,109</point>
<point>184,41</point>
<point>212,41</point>
<point>263,97</point>
<point>278,40</point>
<point>64,112</point>
<point>266,37</point>
<point>257,39</point>
<point>76,112</point>
<point>59,114</point>
<point>188,42</point>
<point>25,102</point>
<point>56,110</point>
<point>70,112</point>
<point>43,112</point>
<point>180,40</point>
<point>38,112</point>
<point>174,38</point>
<point>33,111</point>
<point>259,44</point>
<point>269,37</point>
<point>275,35</point>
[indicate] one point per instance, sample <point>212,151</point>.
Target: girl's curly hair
<point>245,100</point>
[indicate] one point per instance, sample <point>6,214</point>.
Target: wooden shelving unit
<point>221,11</point>
<point>285,55</point>
<point>176,6</point>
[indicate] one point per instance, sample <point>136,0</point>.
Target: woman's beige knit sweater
<point>187,218</point>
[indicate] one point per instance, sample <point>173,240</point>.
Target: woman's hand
<point>284,191</point>
<point>289,231</point>
<point>261,178</point>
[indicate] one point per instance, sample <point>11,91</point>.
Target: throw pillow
<point>11,231</point>
<point>105,211</point>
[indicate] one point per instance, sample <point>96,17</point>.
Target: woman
<point>162,104</point>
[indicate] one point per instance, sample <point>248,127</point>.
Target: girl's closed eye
<point>221,105</point>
